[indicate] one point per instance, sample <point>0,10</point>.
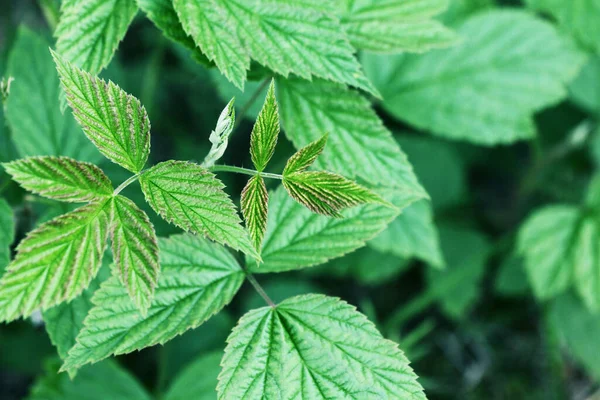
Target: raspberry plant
<point>122,246</point>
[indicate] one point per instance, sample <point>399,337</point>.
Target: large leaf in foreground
<point>197,279</point>
<point>135,250</point>
<point>55,263</point>
<point>510,65</point>
<point>297,238</point>
<point>313,347</point>
<point>358,143</point>
<point>192,198</point>
<point>61,178</point>
<point>89,31</point>
<point>37,125</point>
<point>116,122</point>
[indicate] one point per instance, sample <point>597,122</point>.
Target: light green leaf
<point>7,233</point>
<point>207,24</point>
<point>359,144</point>
<point>89,32</point>
<point>297,238</point>
<point>61,178</point>
<point>396,26</point>
<point>198,381</point>
<point>326,193</point>
<point>585,89</point>
<point>113,120</point>
<point>32,111</point>
<point>135,250</point>
<point>578,329</point>
<point>547,240</point>
<point>219,137</point>
<point>55,263</point>
<point>192,198</point>
<point>306,156</point>
<point>285,37</point>
<point>412,234</point>
<point>265,132</point>
<point>197,279</point>
<point>486,90</point>
<point>99,382</point>
<point>577,17</point>
<point>458,286</point>
<point>313,347</point>
<point>255,208</point>
<point>64,322</point>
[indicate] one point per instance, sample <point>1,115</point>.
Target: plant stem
<point>128,182</point>
<point>245,171</point>
<point>259,288</point>
<point>250,102</point>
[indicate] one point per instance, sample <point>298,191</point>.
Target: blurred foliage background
<point>471,331</point>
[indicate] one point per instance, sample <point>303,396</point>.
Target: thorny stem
<point>259,288</point>
<point>245,171</point>
<point>128,182</point>
<point>250,102</point>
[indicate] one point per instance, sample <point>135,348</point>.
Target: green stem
<point>245,171</point>
<point>128,182</point>
<point>259,288</point>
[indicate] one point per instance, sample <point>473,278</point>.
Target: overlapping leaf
<point>190,197</point>
<point>396,26</point>
<point>38,127</point>
<point>313,347</point>
<point>197,279</point>
<point>61,178</point>
<point>487,89</point>
<point>55,263</point>
<point>135,251</point>
<point>297,238</point>
<point>89,31</point>
<point>113,120</point>
<point>163,15</point>
<point>254,209</point>
<point>285,37</point>
<point>359,144</point>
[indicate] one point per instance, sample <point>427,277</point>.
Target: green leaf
<point>99,382</point>
<point>547,240</point>
<point>457,287</point>
<point>577,17</point>
<point>198,381</point>
<point>326,193</point>
<point>511,280</point>
<point>55,263</point>
<point>32,111</point>
<point>579,330</point>
<point>359,144</point>
<point>265,132</point>
<point>285,37</point>
<point>192,198</point>
<point>113,120</point>
<point>64,322</point>
<point>486,90</point>
<point>7,233</point>
<point>89,32</point>
<point>255,208</point>
<point>585,89</point>
<point>297,238</point>
<point>207,24</point>
<point>163,15</point>
<point>135,250</point>
<point>197,279</point>
<point>219,137</point>
<point>313,347</point>
<point>394,26</point>
<point>61,178</point>
<point>306,156</point>
<point>412,234</point>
